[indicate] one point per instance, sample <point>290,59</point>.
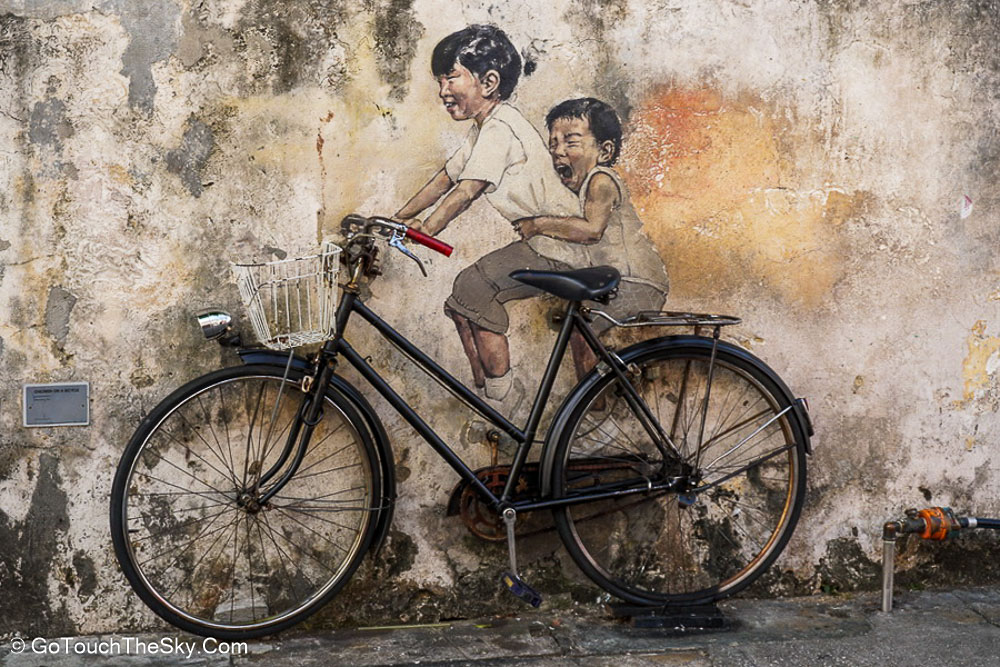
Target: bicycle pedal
<point>518,587</point>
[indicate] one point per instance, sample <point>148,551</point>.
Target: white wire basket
<point>291,302</point>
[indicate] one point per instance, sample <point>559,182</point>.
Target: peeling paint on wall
<point>979,369</point>
<point>28,551</point>
<point>396,33</point>
<point>58,308</point>
<point>797,165</point>
<point>152,34</point>
<point>190,158</point>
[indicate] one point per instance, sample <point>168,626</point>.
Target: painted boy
<point>585,138</point>
<point>504,159</point>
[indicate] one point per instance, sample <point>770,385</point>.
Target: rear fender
<point>645,347</point>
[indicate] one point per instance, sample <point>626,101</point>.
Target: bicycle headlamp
<point>214,322</point>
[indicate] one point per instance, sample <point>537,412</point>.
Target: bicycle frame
<point>338,346</point>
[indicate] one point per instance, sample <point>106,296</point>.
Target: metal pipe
<point>888,558</point>
<point>889,532</point>
<point>933,523</point>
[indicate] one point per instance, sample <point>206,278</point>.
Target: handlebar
<point>355,221</point>
<point>429,242</point>
<point>356,226</point>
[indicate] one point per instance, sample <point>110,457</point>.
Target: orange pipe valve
<point>939,523</point>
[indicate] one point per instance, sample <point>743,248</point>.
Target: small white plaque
<point>59,404</point>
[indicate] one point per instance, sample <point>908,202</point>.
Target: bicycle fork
<point>300,433</point>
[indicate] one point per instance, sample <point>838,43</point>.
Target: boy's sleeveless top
<point>624,244</point>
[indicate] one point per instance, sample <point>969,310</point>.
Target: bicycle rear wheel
<point>743,453</point>
<point>189,528</point>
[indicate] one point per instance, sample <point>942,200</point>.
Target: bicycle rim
<point>748,476</point>
<point>192,538</point>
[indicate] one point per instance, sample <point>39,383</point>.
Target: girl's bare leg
<point>494,351</point>
<point>583,357</point>
<point>465,333</point>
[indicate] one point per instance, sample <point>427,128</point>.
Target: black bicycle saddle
<point>588,284</point>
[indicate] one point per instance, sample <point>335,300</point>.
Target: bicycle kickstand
<point>511,579</point>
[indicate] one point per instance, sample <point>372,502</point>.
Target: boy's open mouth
<point>565,171</point>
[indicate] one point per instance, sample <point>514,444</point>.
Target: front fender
<point>387,465</point>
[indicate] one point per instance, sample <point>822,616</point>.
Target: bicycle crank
<point>512,580</point>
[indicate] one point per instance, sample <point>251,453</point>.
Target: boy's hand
<point>526,227</point>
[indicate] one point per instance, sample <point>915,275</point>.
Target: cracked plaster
<point>799,166</point>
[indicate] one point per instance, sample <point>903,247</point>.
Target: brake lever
<point>396,241</point>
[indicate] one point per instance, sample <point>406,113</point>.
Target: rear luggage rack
<point>669,318</point>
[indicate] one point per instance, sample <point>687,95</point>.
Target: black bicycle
<point>675,470</point>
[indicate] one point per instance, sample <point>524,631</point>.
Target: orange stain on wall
<point>719,199</point>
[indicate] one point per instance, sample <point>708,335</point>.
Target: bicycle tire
<point>186,530</point>
<point>661,548</point>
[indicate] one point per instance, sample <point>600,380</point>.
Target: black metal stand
<point>692,618</point>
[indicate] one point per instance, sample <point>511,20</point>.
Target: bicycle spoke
<point>227,465</point>
<point>274,416</point>
<point>730,525</point>
<point>223,413</point>
<point>328,456</point>
<point>735,428</point>
<point>174,465</point>
<point>282,562</point>
<point>182,492</point>
<point>315,532</point>
<point>191,541</point>
<point>194,568</point>
<point>174,529</point>
<point>749,437</point>
<point>232,570</point>
<point>189,526</point>
<point>299,548</point>
<point>249,450</point>
<point>288,558</point>
<point>318,498</point>
<point>246,552</point>
<point>324,472</point>
<point>194,453</point>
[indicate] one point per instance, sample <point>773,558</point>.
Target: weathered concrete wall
<point>801,164</point>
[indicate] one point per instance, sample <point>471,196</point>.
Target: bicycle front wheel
<point>740,447</point>
<point>191,528</point>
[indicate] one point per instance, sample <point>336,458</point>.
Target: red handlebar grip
<point>430,242</point>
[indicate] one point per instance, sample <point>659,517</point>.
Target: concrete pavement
<point>954,627</point>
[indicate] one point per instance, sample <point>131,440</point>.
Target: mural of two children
<point>568,205</point>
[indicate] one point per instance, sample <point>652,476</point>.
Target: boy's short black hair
<point>479,48</point>
<point>603,120</point>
